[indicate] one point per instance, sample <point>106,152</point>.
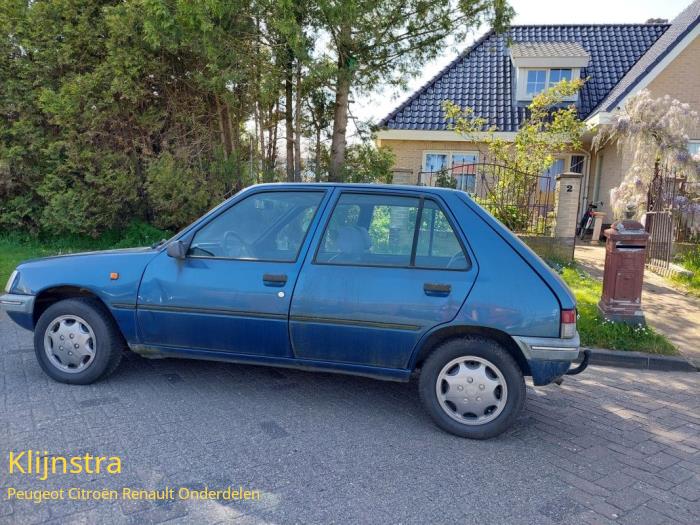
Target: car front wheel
<point>76,341</point>
<point>472,387</point>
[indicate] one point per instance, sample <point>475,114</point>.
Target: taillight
<point>568,324</point>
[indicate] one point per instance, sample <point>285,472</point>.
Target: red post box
<point>625,256</point>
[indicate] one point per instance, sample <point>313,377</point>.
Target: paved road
<point>608,446</point>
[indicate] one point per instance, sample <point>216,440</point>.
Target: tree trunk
<point>273,137</point>
<point>318,154</point>
<point>234,128</point>
<point>297,125</point>
<point>340,112</point>
<point>224,127</point>
<point>289,113</point>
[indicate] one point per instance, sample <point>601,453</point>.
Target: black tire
<point>109,342</point>
<point>485,349</point>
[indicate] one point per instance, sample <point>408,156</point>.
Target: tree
<point>319,117</point>
<point>94,93</point>
<point>549,129</point>
<point>389,41</point>
<point>655,131</point>
<point>367,163</point>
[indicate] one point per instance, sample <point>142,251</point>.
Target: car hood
<point>102,272</point>
<point>75,255</point>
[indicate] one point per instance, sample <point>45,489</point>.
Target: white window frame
<point>521,81</point>
<point>449,154</point>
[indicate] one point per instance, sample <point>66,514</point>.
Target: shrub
<point>178,194</point>
<point>88,193</point>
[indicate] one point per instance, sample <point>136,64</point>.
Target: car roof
<point>371,187</point>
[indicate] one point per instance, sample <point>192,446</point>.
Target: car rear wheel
<point>76,341</point>
<point>472,387</point>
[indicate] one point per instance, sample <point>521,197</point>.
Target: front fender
<point>89,273</point>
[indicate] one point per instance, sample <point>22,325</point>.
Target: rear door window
<point>381,230</point>
<point>438,246</point>
<point>374,230</point>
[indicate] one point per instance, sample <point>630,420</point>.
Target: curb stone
<point>639,360</point>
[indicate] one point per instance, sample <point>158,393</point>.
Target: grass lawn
<point>690,261</point>
<point>16,247</point>
<point>596,332</point>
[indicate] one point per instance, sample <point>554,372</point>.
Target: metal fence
<point>673,215</point>
<point>524,202</point>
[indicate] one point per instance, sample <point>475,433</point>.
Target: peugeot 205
<point>374,280</point>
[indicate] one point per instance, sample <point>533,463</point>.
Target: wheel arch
<point>52,295</point>
<point>445,333</point>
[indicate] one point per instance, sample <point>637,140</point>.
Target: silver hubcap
<point>471,390</point>
<point>69,343</point>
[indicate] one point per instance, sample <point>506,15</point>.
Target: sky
<point>376,106</point>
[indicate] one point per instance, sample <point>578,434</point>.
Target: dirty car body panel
<point>335,281</point>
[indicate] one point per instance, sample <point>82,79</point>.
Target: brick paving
<point>608,446</point>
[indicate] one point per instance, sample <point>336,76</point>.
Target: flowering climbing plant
<point>653,131</point>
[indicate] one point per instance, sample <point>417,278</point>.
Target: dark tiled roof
<point>547,50</point>
<point>683,24</point>
<point>483,77</point>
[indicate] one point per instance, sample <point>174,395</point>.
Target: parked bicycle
<point>586,222</point>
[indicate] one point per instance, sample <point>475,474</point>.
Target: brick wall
<point>409,155</point>
<point>681,80</point>
<point>614,166</point>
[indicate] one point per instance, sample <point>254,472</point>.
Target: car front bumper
<point>549,358</point>
<point>19,307</point>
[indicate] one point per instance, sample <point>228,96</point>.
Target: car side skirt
<point>374,372</point>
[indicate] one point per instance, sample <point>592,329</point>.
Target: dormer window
<point>541,65</point>
<point>557,75</point>
<point>537,79</point>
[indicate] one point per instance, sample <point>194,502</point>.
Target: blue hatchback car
<point>372,280</point>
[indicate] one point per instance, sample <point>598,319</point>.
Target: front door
<point>232,292</point>
<point>388,268</point>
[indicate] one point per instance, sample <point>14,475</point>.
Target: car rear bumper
<point>549,348</point>
<point>549,358</point>
<point>19,307</point>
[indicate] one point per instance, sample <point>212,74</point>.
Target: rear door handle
<point>439,290</point>
<point>272,279</point>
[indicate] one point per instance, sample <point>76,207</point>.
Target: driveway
<point>607,446</point>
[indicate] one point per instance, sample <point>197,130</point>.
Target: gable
<point>683,30</point>
<point>483,77</point>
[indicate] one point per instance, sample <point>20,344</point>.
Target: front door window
<point>268,226</point>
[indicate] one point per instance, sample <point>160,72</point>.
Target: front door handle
<point>438,290</point>
<point>272,279</point>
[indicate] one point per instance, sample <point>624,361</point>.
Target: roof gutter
<point>441,135</point>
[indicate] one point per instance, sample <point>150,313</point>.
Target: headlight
<point>11,281</point>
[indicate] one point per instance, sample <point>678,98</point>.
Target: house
<point>499,74</point>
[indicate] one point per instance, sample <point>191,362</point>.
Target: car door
<point>387,268</point>
<point>232,291</point>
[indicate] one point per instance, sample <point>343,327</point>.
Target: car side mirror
<point>177,250</point>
